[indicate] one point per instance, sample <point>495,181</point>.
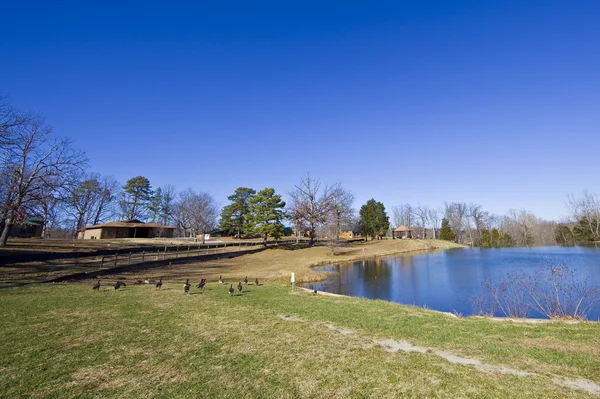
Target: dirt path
<point>393,346</point>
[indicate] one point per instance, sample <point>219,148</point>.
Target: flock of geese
<point>186,286</point>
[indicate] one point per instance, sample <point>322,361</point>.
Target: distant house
<point>31,226</point>
<point>126,229</point>
<point>349,234</point>
<point>402,232</point>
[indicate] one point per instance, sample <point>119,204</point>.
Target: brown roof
<point>130,224</point>
<point>402,228</point>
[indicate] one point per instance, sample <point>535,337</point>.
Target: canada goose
<point>246,280</point>
<point>201,284</point>
<point>96,286</point>
<point>240,287</point>
<point>256,281</point>
<point>186,286</point>
<point>220,280</point>
<point>231,290</point>
<point>159,284</point>
<point>119,284</point>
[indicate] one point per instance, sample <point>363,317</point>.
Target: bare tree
<point>456,213</point>
<point>434,216</point>
<point>403,215</point>
<point>586,207</point>
<point>421,214</point>
<point>196,212</point>
<point>312,204</point>
<point>32,160</point>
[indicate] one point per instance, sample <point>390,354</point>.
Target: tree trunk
<point>7,226</point>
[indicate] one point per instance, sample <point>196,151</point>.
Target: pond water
<point>448,280</point>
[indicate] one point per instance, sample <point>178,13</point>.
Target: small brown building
<point>402,232</point>
<point>347,234</point>
<point>31,226</point>
<point>127,229</point>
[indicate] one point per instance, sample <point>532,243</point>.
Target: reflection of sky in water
<point>446,280</point>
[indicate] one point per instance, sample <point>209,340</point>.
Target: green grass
<point>63,340</point>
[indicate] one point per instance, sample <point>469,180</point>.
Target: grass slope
<point>63,340</point>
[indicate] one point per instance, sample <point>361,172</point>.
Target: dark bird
<point>246,280</point>
<point>240,287</point>
<point>220,280</point>
<point>159,284</point>
<point>186,286</point>
<point>119,284</point>
<point>96,286</point>
<point>256,281</point>
<point>201,284</point>
<point>231,290</point>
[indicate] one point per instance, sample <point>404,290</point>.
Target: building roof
<point>130,224</point>
<point>402,228</point>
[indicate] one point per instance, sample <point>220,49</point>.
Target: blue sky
<point>491,102</point>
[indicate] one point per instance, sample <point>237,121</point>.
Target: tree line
<point>45,175</point>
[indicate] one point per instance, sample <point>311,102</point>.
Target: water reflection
<point>446,280</point>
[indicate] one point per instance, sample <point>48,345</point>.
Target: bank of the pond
<point>469,281</point>
<point>65,340</point>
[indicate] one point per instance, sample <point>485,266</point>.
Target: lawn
<point>65,340</point>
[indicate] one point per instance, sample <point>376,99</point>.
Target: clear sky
<point>491,102</point>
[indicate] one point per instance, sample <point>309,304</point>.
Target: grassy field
<point>66,340</point>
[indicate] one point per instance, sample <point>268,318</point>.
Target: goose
<point>159,284</point>
<point>201,284</point>
<point>256,281</point>
<point>186,286</point>
<point>220,280</point>
<point>119,284</point>
<point>96,286</point>
<point>231,290</point>
<point>240,287</point>
<point>246,280</point>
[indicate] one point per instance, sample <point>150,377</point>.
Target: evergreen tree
<point>374,220</point>
<point>446,232</point>
<point>136,195</point>
<point>234,216</point>
<point>265,214</point>
<point>155,205</point>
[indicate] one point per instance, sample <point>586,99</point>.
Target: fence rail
<point>113,255</point>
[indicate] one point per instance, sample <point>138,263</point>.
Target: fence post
<point>143,255</point>
<point>102,262</point>
<point>188,251</point>
<point>129,260</point>
<point>157,253</point>
<point>177,252</point>
<point>165,254</point>
<point>116,257</point>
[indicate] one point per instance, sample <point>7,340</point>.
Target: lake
<point>447,280</point>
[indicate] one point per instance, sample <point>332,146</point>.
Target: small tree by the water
<point>555,292</point>
<point>446,232</point>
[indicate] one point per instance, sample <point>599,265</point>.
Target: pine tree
<point>374,220</point>
<point>266,214</point>
<point>446,232</point>
<point>136,194</point>
<point>234,216</point>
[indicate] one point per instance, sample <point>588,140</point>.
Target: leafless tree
<point>403,215</point>
<point>421,214</point>
<point>313,204</point>
<point>33,160</point>
<point>435,219</point>
<point>586,207</point>
<point>196,212</point>
<point>456,213</point>
<point>91,199</point>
